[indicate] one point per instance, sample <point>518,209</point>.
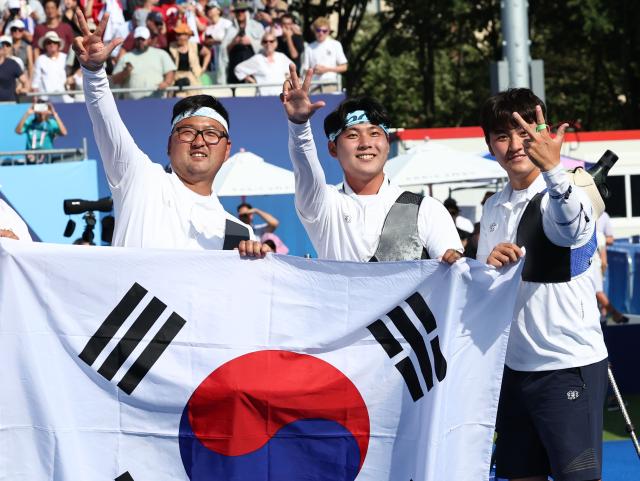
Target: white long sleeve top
<point>152,208</point>
<point>343,225</point>
<point>555,325</point>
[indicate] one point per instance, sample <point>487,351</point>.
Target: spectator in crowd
<point>11,225</point>
<point>266,67</point>
<point>471,247</point>
<point>30,13</point>
<point>180,210</point>
<point>42,124</point>
<point>290,43</point>
<point>13,80</point>
<point>275,243</point>
<point>604,237</point>
<point>241,42</point>
<point>185,56</point>
<point>213,36</point>
<point>326,54</point>
<point>92,9</point>
<point>69,16</point>
<point>463,225</point>
<point>53,23</point>
<point>268,13</point>
<point>157,34</point>
<point>7,42</point>
<point>144,67</point>
<point>367,218</point>
<point>49,71</point>
<point>21,48</point>
<point>245,214</point>
<point>555,377</point>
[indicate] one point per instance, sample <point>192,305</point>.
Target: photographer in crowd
<point>241,42</point>
<point>42,124</point>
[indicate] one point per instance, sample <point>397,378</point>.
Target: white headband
<point>201,112</point>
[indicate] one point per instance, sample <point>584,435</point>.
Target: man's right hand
<point>92,53</point>
<point>295,97</point>
<point>503,254</point>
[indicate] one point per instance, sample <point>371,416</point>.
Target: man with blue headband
<point>367,218</point>
<point>153,208</point>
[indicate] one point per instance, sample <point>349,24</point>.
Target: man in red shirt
<point>53,22</point>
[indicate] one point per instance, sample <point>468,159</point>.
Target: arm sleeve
<point>436,228</point>
<point>117,148</point>
<point>567,216</point>
<point>310,196</point>
<point>245,68</point>
<point>341,59</point>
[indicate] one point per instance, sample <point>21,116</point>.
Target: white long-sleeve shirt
<point>555,325</point>
<point>152,208</point>
<point>343,225</point>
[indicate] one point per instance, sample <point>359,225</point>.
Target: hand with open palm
<point>91,51</point>
<point>295,97</point>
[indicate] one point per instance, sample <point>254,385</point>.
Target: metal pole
<point>623,410</point>
<point>515,29</point>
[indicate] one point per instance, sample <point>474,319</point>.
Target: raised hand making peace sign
<point>542,149</point>
<point>295,97</point>
<point>91,51</point>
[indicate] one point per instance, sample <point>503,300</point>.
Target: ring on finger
<point>541,127</point>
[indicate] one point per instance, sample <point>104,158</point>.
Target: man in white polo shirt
<point>367,218</point>
<point>550,413</point>
<point>153,208</point>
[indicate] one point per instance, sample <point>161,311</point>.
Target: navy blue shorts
<point>550,423</point>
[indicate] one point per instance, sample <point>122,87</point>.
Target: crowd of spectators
<point>183,43</point>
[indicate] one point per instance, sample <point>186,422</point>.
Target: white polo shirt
<point>152,208</point>
<point>345,226</point>
<point>555,325</point>
<point>10,220</point>
<point>328,53</point>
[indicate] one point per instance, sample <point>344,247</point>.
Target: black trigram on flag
<point>134,335</point>
<point>410,332</point>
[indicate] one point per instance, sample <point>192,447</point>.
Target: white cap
<point>141,32</point>
<point>464,224</point>
<point>16,22</point>
<point>13,4</point>
<point>6,38</point>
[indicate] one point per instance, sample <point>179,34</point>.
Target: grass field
<point>614,426</point>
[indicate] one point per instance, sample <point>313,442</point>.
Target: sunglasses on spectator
<point>264,42</point>
<point>17,29</point>
<point>5,44</point>
<point>240,10</point>
<point>322,30</point>
<point>49,42</point>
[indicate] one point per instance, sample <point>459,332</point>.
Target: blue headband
<point>355,118</point>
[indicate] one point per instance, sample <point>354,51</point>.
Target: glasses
<point>322,30</point>
<point>6,44</point>
<point>16,29</point>
<point>210,136</point>
<point>264,42</point>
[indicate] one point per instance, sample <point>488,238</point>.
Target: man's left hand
<point>542,149</point>
<point>250,248</point>
<point>450,256</point>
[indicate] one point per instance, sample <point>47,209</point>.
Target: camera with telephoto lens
<point>87,207</point>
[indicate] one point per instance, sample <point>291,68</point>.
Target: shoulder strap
<point>233,234</point>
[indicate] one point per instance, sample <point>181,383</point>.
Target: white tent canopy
<point>246,173</point>
<point>435,163</point>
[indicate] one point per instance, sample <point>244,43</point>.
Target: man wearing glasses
<point>153,208</point>
<point>327,56</point>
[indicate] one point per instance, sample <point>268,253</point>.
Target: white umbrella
<point>246,173</point>
<point>435,163</point>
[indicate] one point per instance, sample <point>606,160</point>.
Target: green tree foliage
<point>428,60</point>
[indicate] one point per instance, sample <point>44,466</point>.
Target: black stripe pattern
<point>429,365</point>
<point>133,337</point>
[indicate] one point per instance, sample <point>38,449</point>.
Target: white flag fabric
<point>145,365</point>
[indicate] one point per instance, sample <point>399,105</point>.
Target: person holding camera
<point>242,41</point>
<point>42,124</point>
<point>154,208</point>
